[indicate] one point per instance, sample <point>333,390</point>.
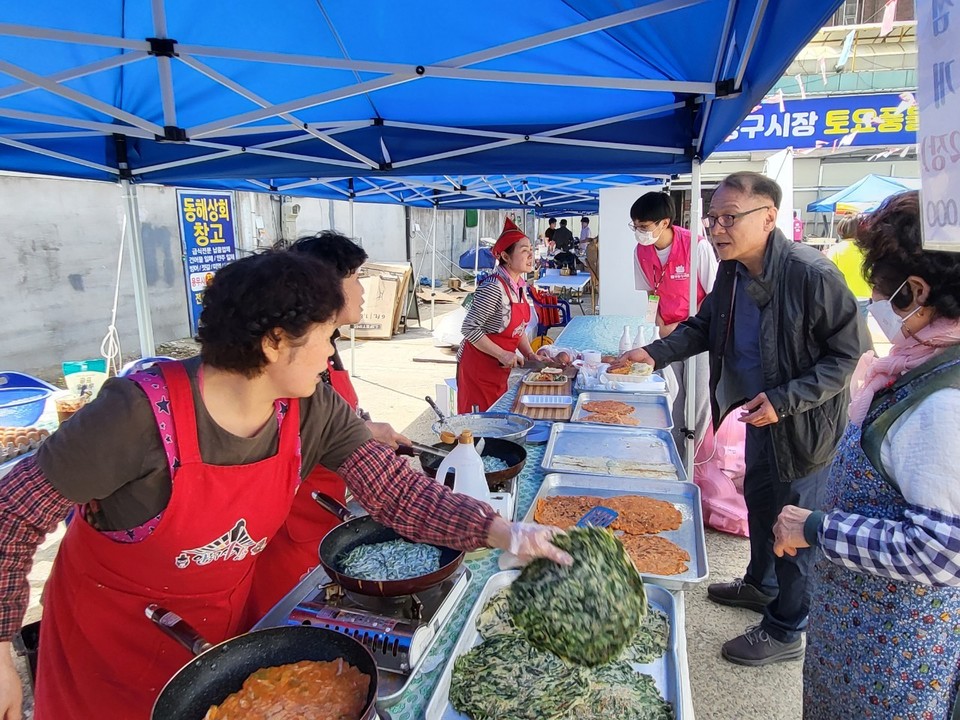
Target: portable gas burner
<point>398,631</point>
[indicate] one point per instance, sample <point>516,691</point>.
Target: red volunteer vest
<point>101,657</point>
<point>672,283</point>
<point>294,551</point>
<point>480,378</point>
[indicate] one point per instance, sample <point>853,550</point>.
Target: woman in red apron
<point>495,326</point>
<point>294,551</point>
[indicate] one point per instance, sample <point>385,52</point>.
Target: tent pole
<point>476,252</point>
<point>690,378</point>
<point>832,218</point>
<point>353,328</point>
<point>433,269</point>
<point>144,323</point>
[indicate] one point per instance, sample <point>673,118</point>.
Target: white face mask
<point>645,237</point>
<point>887,318</point>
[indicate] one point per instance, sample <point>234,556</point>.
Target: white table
<point>570,282</point>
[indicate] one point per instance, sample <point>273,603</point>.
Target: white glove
<point>529,541</point>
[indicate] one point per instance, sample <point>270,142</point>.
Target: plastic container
<point>626,341</point>
<point>469,477</point>
<point>22,407</point>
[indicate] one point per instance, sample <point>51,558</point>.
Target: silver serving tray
<point>664,670</point>
<point>652,410</point>
<point>685,496</point>
<point>610,442</point>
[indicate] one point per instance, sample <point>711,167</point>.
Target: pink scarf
<point>873,373</point>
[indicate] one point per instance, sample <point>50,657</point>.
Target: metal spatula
<point>599,516</point>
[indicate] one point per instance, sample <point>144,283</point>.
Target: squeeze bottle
<point>626,341</point>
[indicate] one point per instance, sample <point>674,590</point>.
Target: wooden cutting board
<point>544,413</point>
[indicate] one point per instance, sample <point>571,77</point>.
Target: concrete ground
<point>392,380</point>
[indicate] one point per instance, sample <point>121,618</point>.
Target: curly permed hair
<point>893,251</point>
<point>260,295</point>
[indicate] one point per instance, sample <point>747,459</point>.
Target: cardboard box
<point>385,287</point>
<point>446,396</point>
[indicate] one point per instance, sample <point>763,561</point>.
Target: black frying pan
<point>514,454</point>
<point>220,670</point>
<point>364,530</point>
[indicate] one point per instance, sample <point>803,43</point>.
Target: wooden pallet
<point>541,413</point>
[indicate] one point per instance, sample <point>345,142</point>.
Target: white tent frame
<point>236,126</point>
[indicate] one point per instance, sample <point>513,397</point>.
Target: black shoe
<point>738,594</point>
<point>755,647</point>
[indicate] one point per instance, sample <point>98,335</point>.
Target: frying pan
<point>514,454</point>
<point>364,530</point>
<point>220,670</point>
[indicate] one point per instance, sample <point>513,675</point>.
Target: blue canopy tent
<point>864,195</point>
<point>174,91</point>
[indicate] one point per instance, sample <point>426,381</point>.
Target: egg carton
<point>16,441</point>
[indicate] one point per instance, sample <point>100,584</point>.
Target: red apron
<point>671,283</point>
<point>293,552</point>
<point>480,378</point>
<point>101,657</point>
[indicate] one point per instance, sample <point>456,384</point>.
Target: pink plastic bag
<point>718,472</point>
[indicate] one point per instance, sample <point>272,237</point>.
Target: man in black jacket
<point>784,335</point>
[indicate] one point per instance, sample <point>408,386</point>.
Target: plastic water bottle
<point>626,341</point>
<point>467,465</point>
<point>639,340</point>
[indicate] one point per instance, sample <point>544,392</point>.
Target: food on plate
<point>633,369</point>
<point>610,466</point>
<point>654,555</point>
<point>506,677</point>
<point>640,515</point>
<point>647,645</point>
<point>393,560</point>
<point>495,618</point>
<point>636,514</point>
<point>617,691</point>
<point>586,613</point>
<point>564,511</point>
<point>609,407</point>
<point>330,690</point>
<point>610,419</point>
<point>546,375</point>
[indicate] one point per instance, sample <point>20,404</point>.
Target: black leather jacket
<point>811,338</point>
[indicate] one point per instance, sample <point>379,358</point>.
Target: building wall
<point>59,245</point>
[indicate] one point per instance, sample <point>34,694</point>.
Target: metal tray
<point>685,496</point>
<point>664,670</point>
<point>610,442</point>
<point>651,410</point>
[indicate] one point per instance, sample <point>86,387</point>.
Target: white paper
<point>938,43</point>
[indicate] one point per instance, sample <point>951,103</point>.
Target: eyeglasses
<point>634,228</point>
<point>725,221</point>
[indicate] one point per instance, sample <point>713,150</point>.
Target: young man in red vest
<point>661,269</point>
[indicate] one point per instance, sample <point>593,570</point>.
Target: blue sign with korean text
<point>827,122</point>
<point>209,242</point>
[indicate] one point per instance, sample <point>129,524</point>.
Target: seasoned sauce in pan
<point>333,690</point>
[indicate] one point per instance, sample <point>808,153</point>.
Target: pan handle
<point>331,505</point>
<point>443,419</point>
<point>178,629</point>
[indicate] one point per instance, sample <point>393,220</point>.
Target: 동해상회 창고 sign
<point>823,122</point>
<point>209,242</point>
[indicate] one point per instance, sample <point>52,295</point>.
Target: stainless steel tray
<point>664,670</point>
<point>685,496</point>
<point>650,409</point>
<point>609,443</point>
